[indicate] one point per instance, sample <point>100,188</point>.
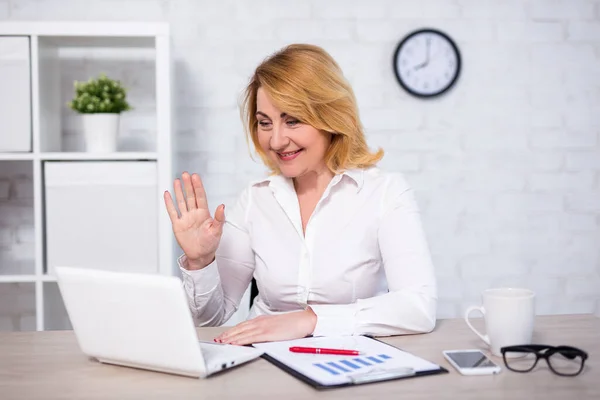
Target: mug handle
<point>485,338</point>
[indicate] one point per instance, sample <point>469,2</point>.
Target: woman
<point>335,244</point>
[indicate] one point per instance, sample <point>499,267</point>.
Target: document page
<point>376,358</point>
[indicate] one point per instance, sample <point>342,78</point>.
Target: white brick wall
<point>506,166</point>
<point>16,218</point>
<point>17,301</point>
<point>4,9</point>
<point>17,306</point>
<point>561,9</point>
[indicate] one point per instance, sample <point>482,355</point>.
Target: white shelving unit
<point>54,47</point>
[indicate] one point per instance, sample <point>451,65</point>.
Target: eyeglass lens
<point>565,362</point>
<point>520,361</point>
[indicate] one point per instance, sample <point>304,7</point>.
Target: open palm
<point>197,233</point>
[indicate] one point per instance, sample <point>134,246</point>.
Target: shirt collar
<point>357,175</point>
<point>277,181</point>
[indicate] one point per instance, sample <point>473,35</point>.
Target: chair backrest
<point>253,291</point>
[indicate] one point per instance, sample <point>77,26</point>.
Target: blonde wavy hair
<point>305,82</point>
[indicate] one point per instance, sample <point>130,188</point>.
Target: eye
<point>292,122</point>
<point>264,123</point>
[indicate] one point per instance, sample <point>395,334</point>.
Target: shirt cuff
<point>203,281</point>
<point>334,320</point>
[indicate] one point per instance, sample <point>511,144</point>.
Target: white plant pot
<point>100,132</point>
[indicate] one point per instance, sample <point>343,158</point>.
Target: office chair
<point>253,291</point>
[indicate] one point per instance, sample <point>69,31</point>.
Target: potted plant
<point>100,101</point>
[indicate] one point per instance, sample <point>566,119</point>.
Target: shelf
<point>66,59</point>
<point>16,156</point>
<point>26,278</point>
<point>98,29</point>
<point>17,278</point>
<point>78,156</point>
<point>58,53</point>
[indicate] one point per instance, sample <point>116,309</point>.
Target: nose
<point>279,141</point>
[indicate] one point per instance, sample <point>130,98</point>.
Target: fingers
<point>190,197</point>
<point>249,337</point>
<point>249,334</point>
<point>179,196</point>
<point>240,328</point>
<point>219,219</point>
<point>199,192</point>
<point>170,207</point>
<point>232,332</point>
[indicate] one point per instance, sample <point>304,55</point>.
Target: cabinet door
<point>15,94</point>
<point>101,215</point>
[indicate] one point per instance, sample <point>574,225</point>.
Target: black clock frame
<point>397,52</point>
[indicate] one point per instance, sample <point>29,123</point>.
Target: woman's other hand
<point>268,328</point>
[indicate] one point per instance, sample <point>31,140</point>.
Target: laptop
<point>141,321</point>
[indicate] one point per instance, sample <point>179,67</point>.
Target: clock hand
<point>426,62</point>
<point>419,66</point>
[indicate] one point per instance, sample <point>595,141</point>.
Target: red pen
<point>317,350</point>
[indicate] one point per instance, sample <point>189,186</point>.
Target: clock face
<point>427,63</point>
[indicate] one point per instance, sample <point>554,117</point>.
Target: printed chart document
<point>378,361</point>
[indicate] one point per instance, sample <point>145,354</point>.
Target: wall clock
<point>427,63</point>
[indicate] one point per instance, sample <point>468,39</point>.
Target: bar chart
<point>345,366</point>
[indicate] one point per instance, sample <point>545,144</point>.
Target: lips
<point>290,155</point>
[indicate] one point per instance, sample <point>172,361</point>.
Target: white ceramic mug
<point>509,316</point>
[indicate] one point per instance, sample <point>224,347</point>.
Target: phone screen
<point>471,359</point>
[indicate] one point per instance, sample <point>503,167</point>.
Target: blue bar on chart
<point>345,366</point>
<point>337,366</point>
<point>363,362</point>
<point>350,364</point>
<point>332,372</point>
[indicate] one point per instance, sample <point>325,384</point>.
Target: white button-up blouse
<point>363,264</point>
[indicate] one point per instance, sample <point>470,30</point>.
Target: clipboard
<point>278,354</point>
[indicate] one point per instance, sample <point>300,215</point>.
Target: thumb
<point>219,219</point>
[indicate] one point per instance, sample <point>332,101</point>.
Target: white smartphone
<point>471,362</point>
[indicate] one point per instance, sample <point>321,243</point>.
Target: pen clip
<point>381,375</point>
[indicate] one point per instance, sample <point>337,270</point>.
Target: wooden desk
<point>49,365</point>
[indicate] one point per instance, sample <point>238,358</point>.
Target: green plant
<point>101,95</point>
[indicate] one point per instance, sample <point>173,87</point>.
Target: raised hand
<point>197,233</point>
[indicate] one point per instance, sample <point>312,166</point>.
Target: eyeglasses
<point>562,360</point>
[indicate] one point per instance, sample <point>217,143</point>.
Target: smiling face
<point>296,148</point>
